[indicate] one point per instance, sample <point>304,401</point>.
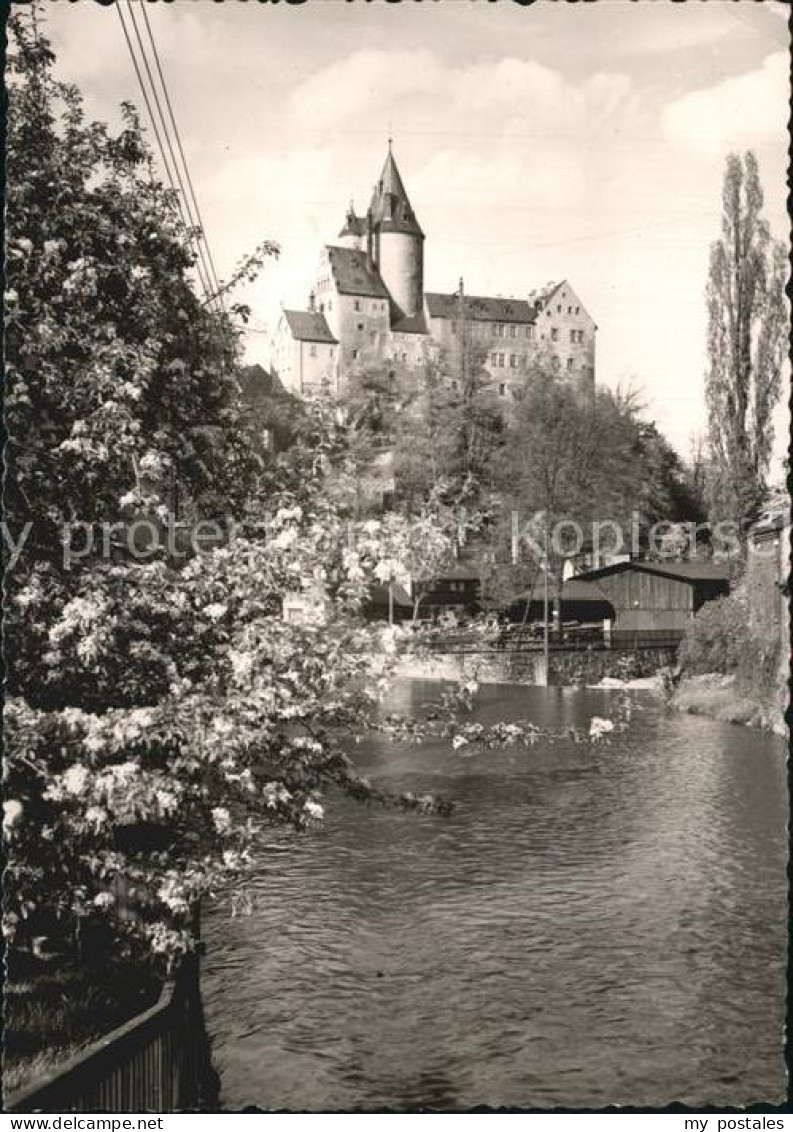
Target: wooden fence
<point>157,1062</point>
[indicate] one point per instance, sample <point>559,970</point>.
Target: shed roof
<point>689,571</point>
<point>574,589</point>
<point>479,308</point>
<point>309,326</point>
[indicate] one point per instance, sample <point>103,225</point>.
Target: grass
<point>53,1010</point>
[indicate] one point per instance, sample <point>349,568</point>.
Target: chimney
<point>312,301</point>
<point>369,241</point>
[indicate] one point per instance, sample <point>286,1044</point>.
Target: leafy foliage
<point>715,638</point>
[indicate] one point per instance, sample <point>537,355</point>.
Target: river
<point>591,926</point>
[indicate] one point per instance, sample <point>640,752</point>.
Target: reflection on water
<point>592,926</point>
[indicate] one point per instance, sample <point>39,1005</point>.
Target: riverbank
<point>724,698</point>
<point>603,669</point>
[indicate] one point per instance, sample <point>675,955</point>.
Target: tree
<point>450,436</point>
<point>747,335</point>
<point>570,457</point>
<point>162,717</point>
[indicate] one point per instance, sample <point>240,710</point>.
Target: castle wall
<point>507,348</point>
<point>316,365</point>
<point>564,326</point>
<point>362,327</point>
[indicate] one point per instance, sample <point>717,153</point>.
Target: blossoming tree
<point>162,716</point>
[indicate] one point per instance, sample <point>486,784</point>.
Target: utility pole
<point>461,324</point>
<point>545,640</point>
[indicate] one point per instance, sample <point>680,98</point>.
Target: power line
<point>189,179</point>
<point>190,223</point>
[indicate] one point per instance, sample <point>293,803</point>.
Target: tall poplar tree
<point>747,321</point>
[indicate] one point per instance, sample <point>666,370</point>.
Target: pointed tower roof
<point>391,207</point>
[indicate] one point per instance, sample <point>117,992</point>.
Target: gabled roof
<point>458,570</point>
<point>378,595</point>
<point>309,326</point>
<point>691,571</point>
<point>352,274</point>
<point>574,589</point>
<point>540,296</point>
<point>479,309</point>
<point>391,208</point>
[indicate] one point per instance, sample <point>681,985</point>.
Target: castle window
<point>573,335</point>
<point>312,350</point>
<point>360,326</point>
<point>498,329</point>
<point>559,310</point>
<point>577,310</point>
<point>581,336</point>
<point>569,310</point>
<point>569,363</point>
<point>501,359</point>
<point>502,389</point>
<point>454,385</point>
<point>355,353</point>
<point>513,361</point>
<point>494,359</point>
<point>513,331</point>
<point>529,331</point>
<point>357,304</point>
<point>554,335</point>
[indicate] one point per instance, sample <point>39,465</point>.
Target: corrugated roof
<point>479,308</point>
<point>353,275</point>
<point>309,326</point>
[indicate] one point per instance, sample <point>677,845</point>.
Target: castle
<point>368,306</point>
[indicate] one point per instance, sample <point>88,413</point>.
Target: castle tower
<point>353,233</point>
<point>398,241</point>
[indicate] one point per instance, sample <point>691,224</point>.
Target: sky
<point>576,141</point>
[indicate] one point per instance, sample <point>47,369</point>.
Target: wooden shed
<point>658,597</point>
<point>578,600</point>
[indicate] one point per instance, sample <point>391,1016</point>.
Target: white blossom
<point>12,812</point>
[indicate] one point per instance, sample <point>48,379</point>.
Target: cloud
<point>743,111</point>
